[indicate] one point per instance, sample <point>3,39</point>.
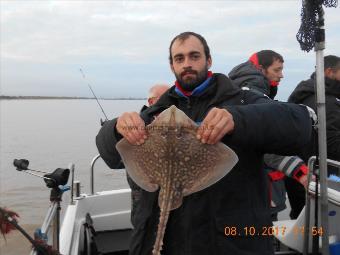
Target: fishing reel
<point>55,180</point>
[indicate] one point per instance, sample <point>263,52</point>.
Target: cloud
<point>127,41</point>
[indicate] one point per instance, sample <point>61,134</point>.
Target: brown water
<point>50,134</point>
<point>16,243</point>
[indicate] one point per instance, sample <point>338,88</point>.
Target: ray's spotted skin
<point>174,160</point>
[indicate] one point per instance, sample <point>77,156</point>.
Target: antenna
<point>88,84</point>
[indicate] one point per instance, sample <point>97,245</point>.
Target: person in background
<point>154,93</point>
<point>305,94</point>
<point>244,121</point>
<point>262,74</point>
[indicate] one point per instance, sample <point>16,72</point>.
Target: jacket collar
<point>331,86</point>
<point>220,89</point>
<point>197,91</point>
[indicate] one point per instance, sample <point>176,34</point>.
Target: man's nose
<point>187,63</point>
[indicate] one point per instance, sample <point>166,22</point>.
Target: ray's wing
<point>205,164</point>
<point>144,163</point>
<point>195,166</point>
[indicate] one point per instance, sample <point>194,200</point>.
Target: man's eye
<point>178,60</point>
<point>195,57</point>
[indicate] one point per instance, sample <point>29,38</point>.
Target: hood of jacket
<point>243,71</point>
<point>247,75</point>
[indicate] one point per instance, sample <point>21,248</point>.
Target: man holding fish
<point>246,122</point>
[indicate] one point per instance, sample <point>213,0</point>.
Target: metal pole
<point>56,227</point>
<point>320,103</point>
<point>311,166</point>
<point>49,217</point>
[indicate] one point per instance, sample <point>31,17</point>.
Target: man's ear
<point>209,62</point>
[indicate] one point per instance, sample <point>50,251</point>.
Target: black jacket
<point>247,75</point>
<point>304,93</point>
<point>239,201</point>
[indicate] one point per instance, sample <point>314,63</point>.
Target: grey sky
<point>122,46</point>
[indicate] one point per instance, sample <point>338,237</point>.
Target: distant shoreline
<point>54,97</point>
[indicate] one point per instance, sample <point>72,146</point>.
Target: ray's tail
<point>164,216</point>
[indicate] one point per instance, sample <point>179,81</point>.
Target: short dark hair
<point>185,35</point>
<point>267,57</point>
<point>331,61</point>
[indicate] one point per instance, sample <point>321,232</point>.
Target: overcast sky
<point>122,46</point>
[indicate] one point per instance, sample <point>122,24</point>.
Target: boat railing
<point>93,162</point>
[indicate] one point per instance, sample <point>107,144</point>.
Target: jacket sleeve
<point>285,164</point>
<point>272,127</point>
<point>333,145</point>
<point>333,131</point>
<point>106,141</point>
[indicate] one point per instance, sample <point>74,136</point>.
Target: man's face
<point>337,74</point>
<point>274,71</point>
<point>333,73</point>
<point>189,63</point>
<point>157,93</point>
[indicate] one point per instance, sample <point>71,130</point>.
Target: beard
<point>192,82</point>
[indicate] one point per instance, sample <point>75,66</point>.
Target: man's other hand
<point>215,125</point>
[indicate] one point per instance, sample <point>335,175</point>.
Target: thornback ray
<point>174,160</point>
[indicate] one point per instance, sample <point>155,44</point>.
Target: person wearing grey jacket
<point>262,74</point>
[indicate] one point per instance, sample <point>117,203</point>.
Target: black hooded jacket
<point>305,94</point>
<point>237,202</point>
<point>247,75</point>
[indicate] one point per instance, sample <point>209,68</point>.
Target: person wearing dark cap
<point>154,93</point>
<point>305,94</point>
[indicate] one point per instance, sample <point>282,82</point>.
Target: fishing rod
<point>88,84</point>
<point>9,220</point>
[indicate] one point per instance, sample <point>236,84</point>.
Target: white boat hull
<point>109,210</point>
<point>290,232</point>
